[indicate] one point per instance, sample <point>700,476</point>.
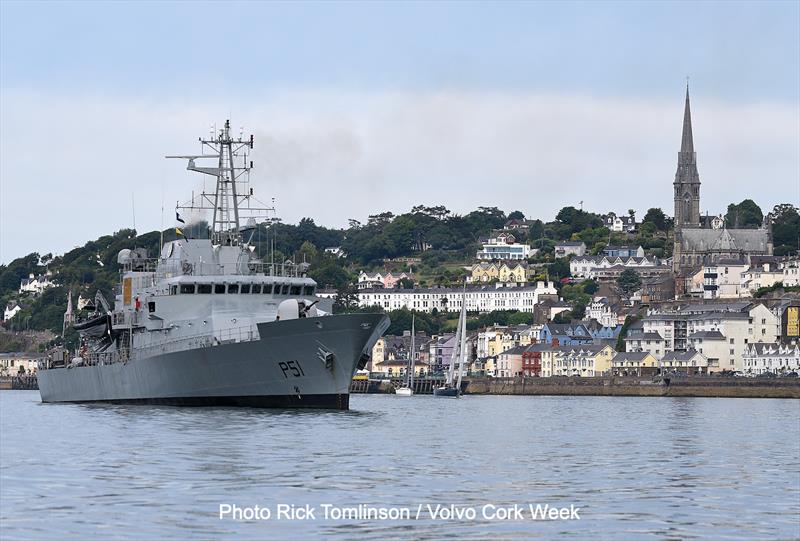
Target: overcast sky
<point>363,107</point>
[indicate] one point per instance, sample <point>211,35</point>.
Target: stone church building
<point>697,241</point>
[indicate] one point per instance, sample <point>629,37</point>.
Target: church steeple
<point>687,143</point>
<point>687,179</point>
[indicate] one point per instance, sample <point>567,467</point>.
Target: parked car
<point>767,375</point>
<point>791,375</point>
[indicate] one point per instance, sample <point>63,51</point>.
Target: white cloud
<point>68,164</point>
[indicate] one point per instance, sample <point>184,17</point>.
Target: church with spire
<point>697,242</point>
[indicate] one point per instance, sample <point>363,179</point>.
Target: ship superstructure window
<point>295,291</point>
<point>284,289</point>
<point>187,289</point>
<point>267,290</point>
<point>204,288</point>
<point>256,288</point>
<point>233,288</point>
<point>173,290</point>
<point>245,289</point>
<point>309,291</point>
<point>219,288</point>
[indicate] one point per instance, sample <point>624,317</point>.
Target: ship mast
<point>232,169</point>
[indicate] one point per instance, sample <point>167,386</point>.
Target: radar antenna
<point>227,200</point>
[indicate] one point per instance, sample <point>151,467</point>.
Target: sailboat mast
<point>463,346</point>
<point>411,357</point>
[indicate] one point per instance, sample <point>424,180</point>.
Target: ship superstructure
<point>206,322</point>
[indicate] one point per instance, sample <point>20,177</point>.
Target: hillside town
<point>586,295</point>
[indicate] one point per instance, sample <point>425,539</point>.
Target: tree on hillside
<point>629,281</point>
<point>746,214</point>
<point>785,229</point>
<point>516,215</point>
<point>657,217</point>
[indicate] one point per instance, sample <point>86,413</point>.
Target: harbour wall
<point>699,386</point>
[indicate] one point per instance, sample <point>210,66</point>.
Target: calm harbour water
<point>638,468</point>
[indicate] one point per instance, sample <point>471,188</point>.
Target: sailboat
<point>452,389</point>
<point>408,388</point>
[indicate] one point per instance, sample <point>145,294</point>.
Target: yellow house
<point>585,360</point>
<point>395,368</point>
<point>484,272</point>
<point>515,272</point>
<point>377,354</point>
<point>634,363</point>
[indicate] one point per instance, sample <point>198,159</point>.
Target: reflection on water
<point>639,468</point>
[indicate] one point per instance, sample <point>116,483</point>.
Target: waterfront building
<point>478,298</point>
<point>509,362</point>
<point>567,248</point>
<point>684,362</point>
<point>13,364</point>
<point>586,360</point>
<point>380,280</point>
<point>697,242</point>
<point>634,363</point>
<point>503,246</point>
<point>771,357</point>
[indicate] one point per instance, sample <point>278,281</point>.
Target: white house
<point>590,266</point>
<point>35,284</point>
<point>503,246</point>
<point>623,222</point>
<point>723,280</point>
<point>335,251</point>
<point>11,311</point>
<point>791,272</point>
<point>478,298</point>
<point>600,310</point>
<point>771,357</point>
<point>568,248</point>
<point>761,275</point>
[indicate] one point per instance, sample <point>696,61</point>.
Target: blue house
<point>567,334</point>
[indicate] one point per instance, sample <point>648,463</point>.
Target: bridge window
<point>284,289</point>
<point>233,288</point>
<point>173,290</point>
<point>245,288</point>
<point>204,289</point>
<point>295,290</point>
<point>267,289</point>
<point>187,289</point>
<point>256,288</point>
<point>309,290</point>
<point>219,289</point>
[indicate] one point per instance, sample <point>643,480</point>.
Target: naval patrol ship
<point>206,323</point>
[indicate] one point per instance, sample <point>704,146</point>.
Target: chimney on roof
<point>554,342</point>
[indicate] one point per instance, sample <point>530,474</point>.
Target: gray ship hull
<point>286,367</point>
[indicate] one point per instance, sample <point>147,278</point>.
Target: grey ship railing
<point>164,269</point>
<point>218,338</point>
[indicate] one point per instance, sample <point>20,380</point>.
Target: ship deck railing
<point>197,341</point>
<point>168,269</point>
